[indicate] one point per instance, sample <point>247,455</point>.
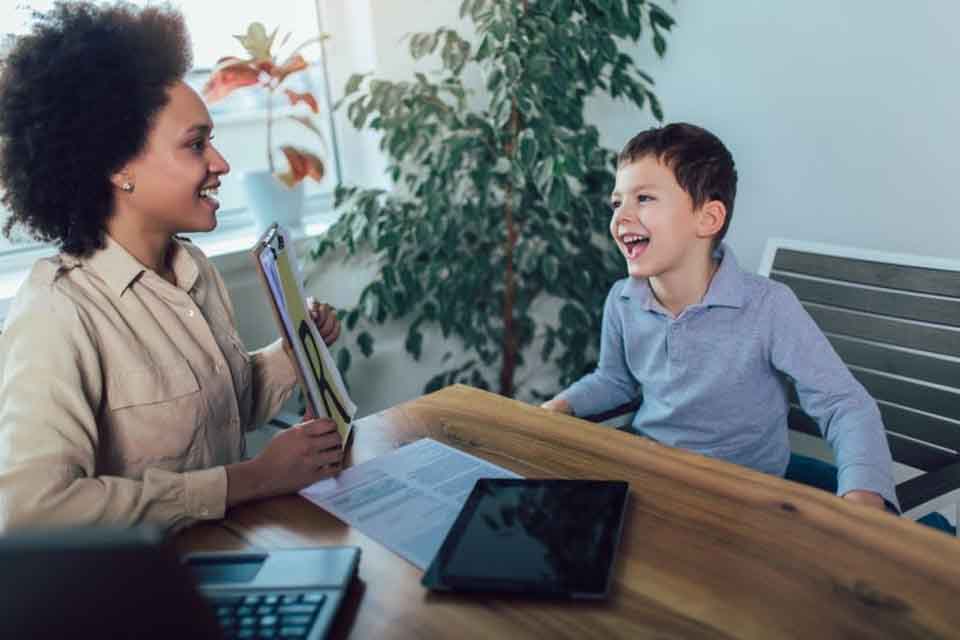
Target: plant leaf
<point>354,83</point>
<point>256,41</point>
<point>306,98</point>
<point>303,164</point>
<point>414,343</point>
<point>293,64</point>
<point>365,341</point>
<point>228,75</point>
<point>343,360</point>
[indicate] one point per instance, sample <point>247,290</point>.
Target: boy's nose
<point>625,214</point>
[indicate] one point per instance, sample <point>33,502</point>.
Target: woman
<point>124,387</point>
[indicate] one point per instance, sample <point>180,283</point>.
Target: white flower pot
<point>270,200</point>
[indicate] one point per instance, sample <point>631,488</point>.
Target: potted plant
<point>496,231</point>
<point>273,196</point>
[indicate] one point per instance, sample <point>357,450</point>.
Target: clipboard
<point>316,370</point>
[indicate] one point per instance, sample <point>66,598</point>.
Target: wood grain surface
<point>709,549</point>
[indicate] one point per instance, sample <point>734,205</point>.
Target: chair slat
<point>918,426</point>
<point>903,449</point>
<point>921,426</point>
<point>919,366</point>
<point>917,455</point>
<point>902,333</point>
<point>909,394</point>
<point>882,302</point>
<point>880,274</point>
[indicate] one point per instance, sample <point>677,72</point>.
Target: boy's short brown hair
<point>702,166</point>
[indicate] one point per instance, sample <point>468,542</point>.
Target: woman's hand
<point>325,317</point>
<point>295,458</point>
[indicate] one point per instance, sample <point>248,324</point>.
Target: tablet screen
<point>540,537</point>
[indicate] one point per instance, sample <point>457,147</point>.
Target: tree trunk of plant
<point>510,341</point>
<point>509,364</point>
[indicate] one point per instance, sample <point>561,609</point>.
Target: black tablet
<point>553,538</point>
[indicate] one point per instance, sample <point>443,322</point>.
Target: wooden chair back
<point>895,321</point>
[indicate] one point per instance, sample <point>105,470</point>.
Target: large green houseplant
<point>502,191</point>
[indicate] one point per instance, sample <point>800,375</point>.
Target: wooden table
<point>709,549</point>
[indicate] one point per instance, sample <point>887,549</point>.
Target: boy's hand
<point>559,405</point>
<point>325,317</point>
<point>868,498</point>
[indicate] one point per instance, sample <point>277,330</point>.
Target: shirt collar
<point>726,288</point>
<point>115,266</point>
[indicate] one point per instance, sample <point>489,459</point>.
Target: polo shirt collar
<point>726,288</point>
<point>115,266</point>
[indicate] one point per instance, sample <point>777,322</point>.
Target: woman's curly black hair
<point>78,96</point>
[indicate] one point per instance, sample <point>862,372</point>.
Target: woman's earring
<point>127,186</point>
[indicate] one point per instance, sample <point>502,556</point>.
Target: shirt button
<point>190,312</point>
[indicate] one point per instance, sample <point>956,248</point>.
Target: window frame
<point>235,225</point>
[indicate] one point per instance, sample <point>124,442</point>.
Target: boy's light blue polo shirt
<point>716,379</point>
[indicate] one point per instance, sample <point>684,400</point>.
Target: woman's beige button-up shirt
<point>123,396</point>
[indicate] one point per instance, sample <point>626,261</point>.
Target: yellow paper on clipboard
<point>316,371</point>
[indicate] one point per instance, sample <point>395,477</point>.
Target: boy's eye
<point>615,204</point>
<point>643,198</point>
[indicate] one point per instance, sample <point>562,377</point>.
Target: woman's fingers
<point>328,457</point>
<point>318,426</point>
<point>325,318</point>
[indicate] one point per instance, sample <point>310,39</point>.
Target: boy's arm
<point>848,417</point>
<point>611,384</point>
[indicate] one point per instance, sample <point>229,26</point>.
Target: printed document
<point>406,499</point>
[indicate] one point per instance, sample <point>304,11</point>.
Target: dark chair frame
<point>895,322</point>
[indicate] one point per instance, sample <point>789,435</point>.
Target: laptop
<point>129,583</point>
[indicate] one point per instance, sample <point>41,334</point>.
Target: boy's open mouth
<point>209,194</point>
<point>634,244</point>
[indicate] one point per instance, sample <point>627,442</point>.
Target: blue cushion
<point>938,521</point>
<point>812,472</point>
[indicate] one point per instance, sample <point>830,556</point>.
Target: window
<point>239,119</point>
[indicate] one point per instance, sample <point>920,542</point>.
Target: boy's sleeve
<point>848,417</point>
<point>611,384</point>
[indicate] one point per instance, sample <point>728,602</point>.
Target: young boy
<point>714,349</point>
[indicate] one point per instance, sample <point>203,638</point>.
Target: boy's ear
<point>713,214</point>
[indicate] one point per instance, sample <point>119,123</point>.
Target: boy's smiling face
<point>654,222</point>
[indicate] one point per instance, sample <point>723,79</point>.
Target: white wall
<point>840,115</point>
